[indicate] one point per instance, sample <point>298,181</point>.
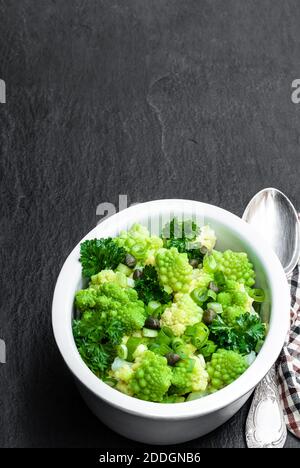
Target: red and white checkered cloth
<point>288,364</point>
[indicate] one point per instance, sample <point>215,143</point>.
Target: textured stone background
<point>154,99</point>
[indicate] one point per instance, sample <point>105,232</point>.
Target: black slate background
<point>153,99</point>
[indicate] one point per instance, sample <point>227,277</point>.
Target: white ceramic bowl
<point>156,423</point>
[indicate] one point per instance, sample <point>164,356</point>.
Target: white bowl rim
<point>279,322</point>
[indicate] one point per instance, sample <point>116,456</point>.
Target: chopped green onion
<point>177,344</point>
<point>196,395</point>
<point>212,294</point>
<point>161,349</point>
<point>219,278</point>
<point>258,295</point>
<point>124,269</point>
<point>132,343</point>
<point>130,282</point>
<point>210,263</point>
<point>164,336</point>
<point>168,332</point>
<point>250,358</point>
<point>111,382</point>
<point>153,308</point>
<point>198,333</point>
<point>118,363</point>
<point>147,332</point>
<point>208,349</point>
<point>215,306</point>
<point>122,351</point>
<point>259,346</point>
<point>199,295</point>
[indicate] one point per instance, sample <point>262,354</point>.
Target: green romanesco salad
<point>167,319</point>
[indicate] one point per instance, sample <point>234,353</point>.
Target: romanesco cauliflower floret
<point>86,299</point>
<point>152,377</point>
<point>138,242</point>
<point>173,269</point>
<point>231,313</point>
<point>235,294</point>
<point>109,276</point>
<point>207,237</point>
<point>234,265</point>
<point>124,388</point>
<point>200,279</point>
<point>140,349</point>
<point>110,302</point>
<point>224,298</point>
<point>225,367</point>
<point>189,375</point>
<point>242,299</point>
<point>122,371</point>
<point>183,312</point>
<point>173,399</point>
<point>239,295</point>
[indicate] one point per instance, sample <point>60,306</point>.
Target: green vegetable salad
<point>167,319</point>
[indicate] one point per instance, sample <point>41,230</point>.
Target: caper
<point>137,274</point>
<point>152,323</point>
<point>208,316</point>
<point>213,286</point>
<point>172,358</point>
<point>194,262</point>
<point>130,260</point>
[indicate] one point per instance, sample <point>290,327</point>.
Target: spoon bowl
<point>273,215</point>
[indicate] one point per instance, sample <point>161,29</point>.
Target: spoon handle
<point>265,426</point>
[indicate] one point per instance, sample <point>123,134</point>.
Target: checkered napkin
<point>288,364</point>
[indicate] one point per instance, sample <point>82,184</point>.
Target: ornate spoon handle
<point>265,426</point>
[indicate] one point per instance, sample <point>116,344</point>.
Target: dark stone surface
<point>154,99</point>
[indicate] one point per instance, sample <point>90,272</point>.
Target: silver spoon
<point>273,215</point>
